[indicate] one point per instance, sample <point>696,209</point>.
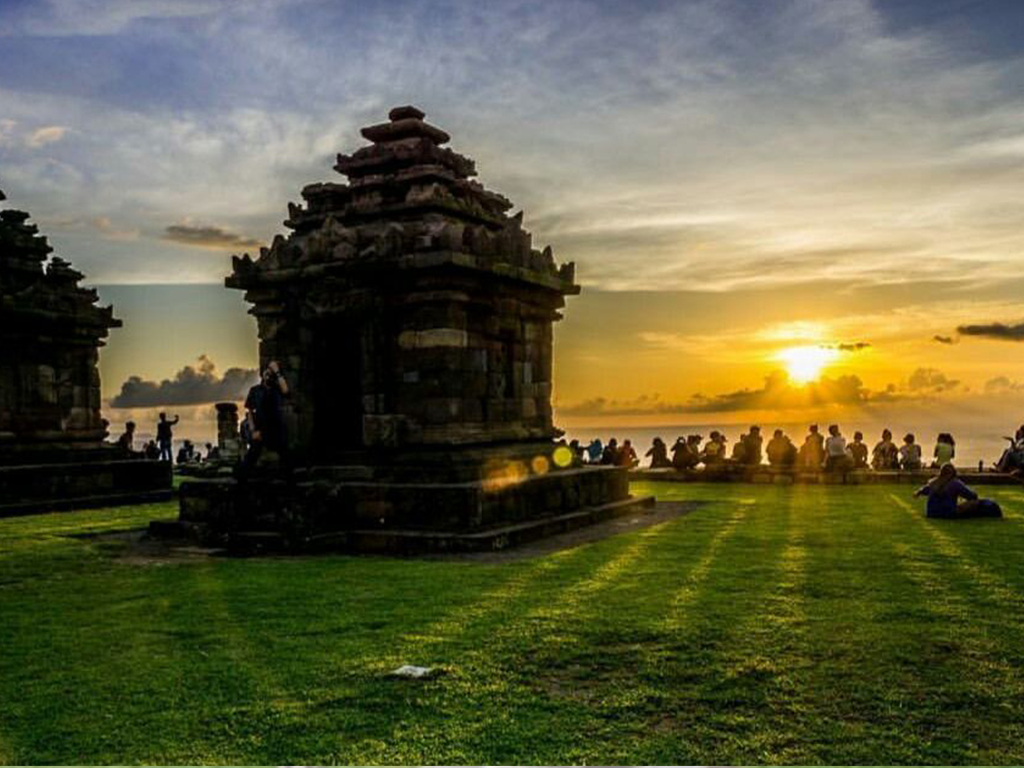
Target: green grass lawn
<point>770,625</point>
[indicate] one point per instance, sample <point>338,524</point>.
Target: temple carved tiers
<point>50,334</point>
<point>407,307</point>
<point>52,449</point>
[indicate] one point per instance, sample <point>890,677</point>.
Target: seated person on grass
<point>943,493</point>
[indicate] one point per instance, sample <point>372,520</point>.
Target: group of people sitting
<point>831,453</point>
<point>160,448</point>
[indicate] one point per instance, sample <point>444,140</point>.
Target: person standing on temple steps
<point>264,407</point>
<point>165,436</point>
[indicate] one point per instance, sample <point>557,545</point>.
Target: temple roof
<point>406,194</point>
<point>45,291</point>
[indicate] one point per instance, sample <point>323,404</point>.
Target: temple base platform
<point>349,509</point>
<point>44,487</point>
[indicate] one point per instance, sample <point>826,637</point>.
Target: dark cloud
<point>208,237</point>
<point>1002,384</point>
<point>192,385</point>
<point>994,331</point>
<point>855,346</point>
<point>943,339</point>
<point>930,379</point>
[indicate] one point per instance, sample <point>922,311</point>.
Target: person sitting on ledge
<point>943,493</point>
<point>610,454</point>
<point>812,452</point>
<point>910,453</point>
<point>836,459</point>
<point>858,451</point>
<point>781,451</point>
<point>659,454</point>
<point>739,451</point>
<point>752,447</point>
<point>152,450</point>
<point>594,451</point>
<point>885,455</point>
<point>714,449</point>
<point>1012,459</point>
<point>627,455</point>
<point>126,442</point>
<point>945,450</point>
<point>577,453</point>
<point>187,453</point>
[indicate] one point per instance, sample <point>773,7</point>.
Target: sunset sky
<point>779,210</point>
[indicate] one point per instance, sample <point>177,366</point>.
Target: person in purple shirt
<point>945,490</point>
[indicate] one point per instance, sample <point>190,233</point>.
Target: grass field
<point>770,625</point>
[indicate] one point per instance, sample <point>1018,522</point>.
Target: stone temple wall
<point>407,307</point>
<point>52,449</point>
<point>50,334</point>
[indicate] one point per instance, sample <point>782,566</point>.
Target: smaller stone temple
<point>52,449</point>
<point>412,317</point>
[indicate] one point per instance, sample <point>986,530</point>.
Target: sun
<point>804,364</point>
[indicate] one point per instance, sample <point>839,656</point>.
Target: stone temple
<point>412,317</point>
<point>52,450</point>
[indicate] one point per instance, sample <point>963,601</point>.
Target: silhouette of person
<point>781,451</point>
<point>627,455</point>
<point>714,449</point>
<point>885,454</point>
<point>594,451</point>
<point>264,407</point>
<point>165,435</point>
<point>610,454</point>
<point>944,491</point>
<point>910,453</point>
<point>858,451</point>
<point>835,450</point>
<point>945,449</point>
<point>752,447</point>
<point>659,454</point>
<point>812,452</point>
<point>126,442</point>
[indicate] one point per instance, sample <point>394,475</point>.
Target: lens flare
<point>562,456</point>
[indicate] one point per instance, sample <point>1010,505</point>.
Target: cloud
<point>1002,385</point>
<point>943,339</point>
<point>930,379</point>
<point>193,384</point>
<point>719,149</point>
<point>856,346</point>
<point>208,237</point>
<point>49,134</point>
<point>994,331</point>
<point>778,393</point>
<point>74,18</point>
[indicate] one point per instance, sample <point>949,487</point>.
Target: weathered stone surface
<point>414,320</point>
<point>52,434</point>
